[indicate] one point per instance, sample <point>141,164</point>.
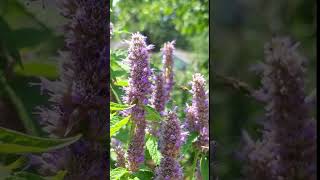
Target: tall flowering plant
<point>287,149</point>
<point>78,97</point>
<point>151,141</point>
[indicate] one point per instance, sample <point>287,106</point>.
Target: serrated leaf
<point>118,125</point>
<point>204,168</point>
<point>143,174</point>
<point>152,147</point>
<point>119,107</point>
<point>114,119</point>
<point>152,114</point>
<point>192,137</point>
<point>16,142</point>
<point>117,173</point>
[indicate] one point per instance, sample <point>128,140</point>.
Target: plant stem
<point>195,160</point>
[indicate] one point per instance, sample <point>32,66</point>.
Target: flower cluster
<point>287,149</point>
<point>167,61</point>
<point>78,97</point>
<point>137,93</point>
<point>170,142</point>
<point>197,115</point>
<point>158,96</point>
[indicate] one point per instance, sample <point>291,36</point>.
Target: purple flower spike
<point>137,93</point>
<point>170,141</point>
<point>287,149</point>
<point>197,115</point>
<point>169,169</point>
<point>79,96</point>
<point>140,72</point>
<point>158,96</point>
<point>167,61</point>
<point>170,136</point>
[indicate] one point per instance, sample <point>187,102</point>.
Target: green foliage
<point>14,171</point>
<point>152,114</point>
<point>192,137</point>
<point>118,173</point>
<point>152,147</point>
<point>9,52</point>
<point>37,69</point>
<point>143,174</point>
<point>16,142</point>
<point>118,125</point>
<point>23,175</point>
<point>29,124</point>
<point>175,19</point>
<point>204,168</point>
<point>119,107</point>
<point>159,21</point>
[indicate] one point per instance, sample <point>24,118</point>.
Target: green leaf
<point>28,37</point>
<point>117,173</point>
<point>135,178</point>
<point>114,119</point>
<point>152,147</point>
<point>38,69</point>
<point>117,126</point>
<point>28,123</point>
<point>20,162</point>
<point>121,83</point>
<point>115,93</point>
<point>152,114</point>
<point>23,175</point>
<point>16,142</point>
<point>192,137</point>
<point>204,168</point>
<point>144,174</point>
<point>118,107</point>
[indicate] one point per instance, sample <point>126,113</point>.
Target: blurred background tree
<point>239,29</point>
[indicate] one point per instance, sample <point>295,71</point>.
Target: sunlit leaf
<point>118,107</point>
<point>117,173</point>
<point>152,147</point>
<point>204,168</point>
<point>118,125</point>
